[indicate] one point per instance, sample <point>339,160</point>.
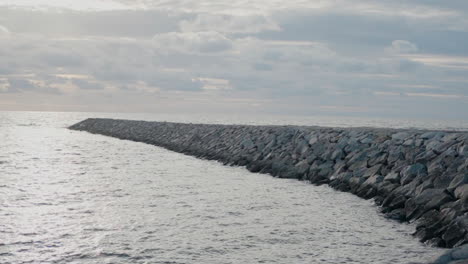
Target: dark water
<point>73,197</point>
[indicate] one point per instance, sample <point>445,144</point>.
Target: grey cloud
<point>329,56</point>
<point>19,85</point>
<point>353,32</point>
<point>175,82</point>
<point>262,67</point>
<point>124,23</point>
<point>4,31</point>
<point>204,42</point>
<point>402,46</point>
<point>229,23</point>
<point>88,85</point>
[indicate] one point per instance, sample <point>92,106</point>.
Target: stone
<point>437,201</point>
<point>247,143</point>
<point>372,171</point>
<point>432,134</point>
<point>461,192</point>
<point>337,155</point>
<point>411,172</point>
<point>427,195</point>
<point>458,180</point>
<point>302,167</point>
<point>460,253</point>
<point>401,136</point>
<point>463,150</point>
<point>393,177</point>
<point>425,156</point>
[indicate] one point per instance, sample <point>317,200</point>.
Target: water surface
<point>73,197</point>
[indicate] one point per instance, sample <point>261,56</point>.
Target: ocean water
<point>73,197</point>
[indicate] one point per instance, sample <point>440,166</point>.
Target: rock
<point>459,179</point>
<point>444,180</point>
<point>411,172</point>
<point>423,186</point>
<point>401,136</point>
<point>358,165</point>
<point>397,214</point>
<point>392,177</point>
<point>372,171</point>
<point>455,231</point>
<point>461,192</point>
<point>425,156</point>
<point>427,195</point>
<point>247,143</point>
<point>302,167</point>
<point>337,154</point>
<point>437,201</point>
<point>463,150</point>
<point>460,253</point>
<point>430,135</point>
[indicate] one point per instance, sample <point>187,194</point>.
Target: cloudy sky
<point>341,57</point>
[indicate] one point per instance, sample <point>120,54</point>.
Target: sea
<point>74,197</point>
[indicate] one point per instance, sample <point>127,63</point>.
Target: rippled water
<point>74,197</point>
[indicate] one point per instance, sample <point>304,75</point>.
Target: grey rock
<point>372,171</point>
<point>401,136</point>
<point>430,135</point>
<point>460,253</point>
<point>427,195</point>
<point>411,172</point>
<point>459,179</point>
<point>302,167</point>
<point>463,150</point>
<point>461,192</point>
<point>393,177</point>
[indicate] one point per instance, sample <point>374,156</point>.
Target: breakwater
<point>414,175</point>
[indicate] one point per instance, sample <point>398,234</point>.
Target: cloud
<point>4,31</point>
<point>402,46</point>
<point>229,24</point>
<point>294,57</point>
<point>88,85</point>
<point>200,42</point>
<point>19,85</point>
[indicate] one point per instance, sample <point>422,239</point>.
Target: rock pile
<point>414,175</point>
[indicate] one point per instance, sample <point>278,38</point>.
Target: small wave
<point>29,125</point>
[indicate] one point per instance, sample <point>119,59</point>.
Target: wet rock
<point>455,232</point>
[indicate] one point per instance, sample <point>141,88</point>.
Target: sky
<point>397,59</point>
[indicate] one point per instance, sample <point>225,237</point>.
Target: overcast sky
<point>348,57</point>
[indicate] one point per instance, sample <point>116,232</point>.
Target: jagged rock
<point>432,134</point>
<point>372,171</point>
<point>455,231</point>
<point>401,136</point>
<point>437,201</point>
<point>461,192</point>
<point>459,179</point>
<point>410,172</point>
<point>425,156</point>
<point>302,167</point>
<point>393,177</point>
<point>463,150</point>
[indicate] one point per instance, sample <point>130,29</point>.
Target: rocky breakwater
<point>414,175</point>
